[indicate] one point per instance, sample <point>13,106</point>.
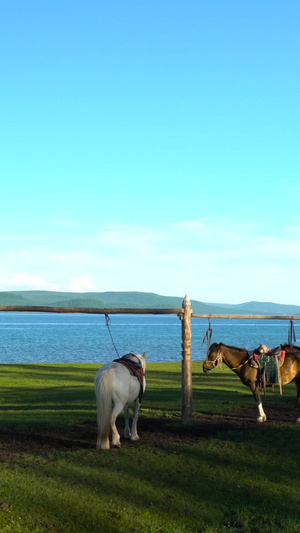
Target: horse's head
<point>142,359</point>
<point>213,357</point>
<point>138,361</point>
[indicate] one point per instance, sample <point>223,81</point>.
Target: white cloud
<point>130,239</point>
<point>21,281</point>
<point>80,284</point>
<point>214,260</point>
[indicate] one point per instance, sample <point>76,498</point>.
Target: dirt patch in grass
<point>162,431</point>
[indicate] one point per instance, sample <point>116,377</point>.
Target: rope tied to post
<point>292,334</point>
<point>208,335</point>
<point>108,322</point>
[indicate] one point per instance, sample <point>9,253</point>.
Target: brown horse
<point>239,360</point>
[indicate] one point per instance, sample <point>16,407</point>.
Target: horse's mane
<point>284,346</point>
<point>234,347</point>
<point>294,354</point>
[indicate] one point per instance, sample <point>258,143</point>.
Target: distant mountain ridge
<point>111,299</point>
<point>265,308</point>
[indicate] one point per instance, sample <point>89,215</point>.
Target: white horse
<point>116,386</point>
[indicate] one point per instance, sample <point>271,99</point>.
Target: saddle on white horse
<point>134,365</point>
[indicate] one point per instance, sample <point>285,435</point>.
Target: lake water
<point>81,338</point>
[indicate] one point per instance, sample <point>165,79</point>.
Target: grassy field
<point>222,473</point>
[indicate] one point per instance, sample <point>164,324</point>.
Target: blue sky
<point>151,146</point>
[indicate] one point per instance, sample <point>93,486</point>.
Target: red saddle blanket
<point>262,351</point>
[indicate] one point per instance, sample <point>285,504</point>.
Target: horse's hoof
<point>298,421</point>
<point>261,419</point>
<point>134,438</point>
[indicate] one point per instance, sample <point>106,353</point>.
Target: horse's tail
<point>103,390</point>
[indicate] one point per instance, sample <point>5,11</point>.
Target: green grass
<point>242,480</point>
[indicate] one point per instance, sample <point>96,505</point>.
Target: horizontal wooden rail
<point>89,310</point>
<point>130,311</point>
<point>269,317</point>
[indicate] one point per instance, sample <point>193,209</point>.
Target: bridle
<point>217,361</point>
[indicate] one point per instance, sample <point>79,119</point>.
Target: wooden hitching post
<point>187,388</point>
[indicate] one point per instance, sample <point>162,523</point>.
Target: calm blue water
<point>78,338</point>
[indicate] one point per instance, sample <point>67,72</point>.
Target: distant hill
<point>266,308</point>
<point>140,300</point>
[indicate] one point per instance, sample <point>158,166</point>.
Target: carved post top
<point>186,304</point>
<point>186,308</point>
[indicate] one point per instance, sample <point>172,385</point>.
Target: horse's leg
<point>254,389</point>
<point>297,381</point>
<point>127,433</point>
<point>115,437</point>
<point>134,434</point>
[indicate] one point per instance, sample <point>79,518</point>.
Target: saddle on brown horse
<point>268,361</point>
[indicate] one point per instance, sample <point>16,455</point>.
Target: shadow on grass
<point>69,391</point>
<point>217,484</point>
<point>231,479</point>
<point>48,372</point>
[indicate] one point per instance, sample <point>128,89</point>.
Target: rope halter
<point>215,363</point>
